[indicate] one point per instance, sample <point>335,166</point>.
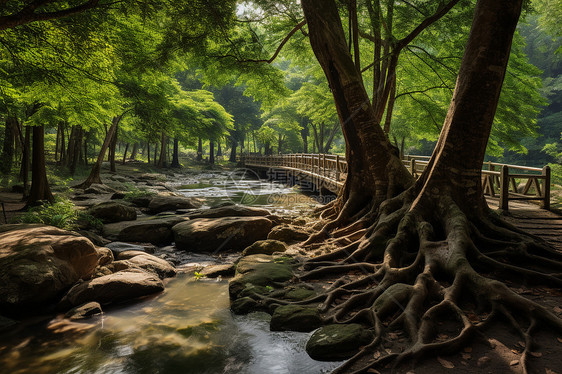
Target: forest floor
<point>498,349</point>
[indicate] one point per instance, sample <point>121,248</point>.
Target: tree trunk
<point>134,151</point>
<point>219,149</point>
<point>375,171</point>
<point>148,152</point>
<point>211,152</point>
<point>304,136</point>
<point>175,154</point>
<point>125,154</point>
<point>234,144</point>
<point>7,158</point>
<point>199,150</point>
<point>39,184</point>
<point>24,171</point>
<point>112,150</point>
<point>94,176</point>
<point>162,161</point>
<point>86,138</point>
<point>74,148</point>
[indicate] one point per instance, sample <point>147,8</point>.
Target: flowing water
<point>186,329</point>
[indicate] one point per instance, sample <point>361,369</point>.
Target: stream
<point>186,329</point>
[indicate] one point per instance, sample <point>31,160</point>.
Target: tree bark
<point>94,176</point>
<point>304,136</point>
<point>374,169</point>
<point>199,150</point>
<point>234,144</point>
<point>7,158</point>
<point>163,161</point>
<point>175,154</point>
<point>134,151</point>
<point>219,149</point>
<point>211,152</point>
<point>39,184</point>
<point>125,154</point>
<point>24,171</point>
<point>112,149</point>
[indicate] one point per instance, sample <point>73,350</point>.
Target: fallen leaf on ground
<point>514,362</point>
<point>557,309</point>
<point>466,356</point>
<point>559,340</point>
<point>548,371</point>
<point>376,355</point>
<point>535,354</point>
<point>521,343</point>
<point>442,337</point>
<point>373,371</point>
<point>445,363</point>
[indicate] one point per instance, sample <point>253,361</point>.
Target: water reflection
<point>187,329</point>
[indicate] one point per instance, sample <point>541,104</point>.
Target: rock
<point>98,189</point>
<point>229,233</point>
<point>298,294</point>
<point>142,201</point>
<point>163,203</point>
<point>38,262</point>
<point>153,264</point>
<point>6,323</point>
<point>94,238</point>
<point>266,247</point>
<point>147,230</point>
<point>337,342</point>
<point>258,270</point>
<point>213,271</point>
<point>288,234</point>
<point>118,247</point>
<point>118,196</point>
<point>229,211</point>
<point>125,255</point>
<point>84,311</point>
<point>112,211</point>
<point>483,361</point>
<point>105,256</point>
<point>295,318</point>
<point>115,288</point>
<point>244,305</point>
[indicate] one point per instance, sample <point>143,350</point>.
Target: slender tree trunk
<point>94,176</point>
<point>112,150</point>
<point>24,172</point>
<point>199,150</point>
<point>86,138</point>
<point>148,152</point>
<point>211,152</point>
<point>162,161</point>
<point>7,158</point>
<point>125,153</point>
<point>304,136</point>
<point>74,148</point>
<point>57,144</point>
<point>175,154</point>
<point>39,184</point>
<point>219,149</point>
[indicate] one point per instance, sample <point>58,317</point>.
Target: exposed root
<point>431,274</point>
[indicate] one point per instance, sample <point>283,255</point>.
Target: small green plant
<point>135,193</point>
<point>269,288</point>
<point>60,214</point>
<point>198,275</point>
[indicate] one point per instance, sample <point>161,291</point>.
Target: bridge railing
<point>508,182</point>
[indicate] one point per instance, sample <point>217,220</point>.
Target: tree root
<point>413,270</point>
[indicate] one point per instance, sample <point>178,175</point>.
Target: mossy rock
<point>337,342</point>
<point>199,330</point>
<point>298,294</point>
<point>252,289</point>
<point>258,270</point>
<point>266,247</point>
<point>244,305</point>
<point>295,318</point>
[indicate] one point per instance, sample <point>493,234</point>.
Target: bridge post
<point>337,168</point>
<point>545,204</point>
<point>413,166</point>
<point>504,187</point>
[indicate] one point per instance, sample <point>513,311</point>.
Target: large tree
<point>422,243</point>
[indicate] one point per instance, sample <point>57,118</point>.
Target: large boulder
<point>164,203</point>
<point>112,211</point>
<point>99,189</point>
<point>84,311</point>
<point>146,230</point>
<point>229,233</point>
<point>229,211</point>
<point>38,262</point>
<point>118,247</point>
<point>115,288</point>
<point>337,342</point>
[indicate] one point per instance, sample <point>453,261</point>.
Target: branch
<point>426,23</point>
<point>28,15</point>
<point>421,91</point>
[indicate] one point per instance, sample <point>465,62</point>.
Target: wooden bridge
<point>326,171</point>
